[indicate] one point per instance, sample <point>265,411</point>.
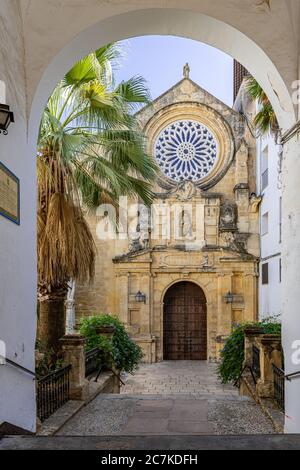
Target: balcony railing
<point>256,361</point>
<point>279,384</point>
<point>92,362</point>
<point>52,392</point>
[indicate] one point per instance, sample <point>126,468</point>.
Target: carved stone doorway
<point>185,323</point>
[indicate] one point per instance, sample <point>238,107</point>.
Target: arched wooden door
<point>185,323</point>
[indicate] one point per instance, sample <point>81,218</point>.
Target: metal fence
<point>92,362</point>
<point>279,384</point>
<point>256,361</point>
<point>52,392</point>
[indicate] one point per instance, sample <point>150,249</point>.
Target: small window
<point>280,270</point>
<point>265,168</point>
<point>265,179</point>
<point>265,273</point>
<point>265,224</point>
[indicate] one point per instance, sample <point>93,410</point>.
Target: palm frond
<point>265,120</point>
<point>134,92</point>
<point>90,151</point>
<point>66,246</point>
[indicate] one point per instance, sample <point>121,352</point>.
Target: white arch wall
<point>17,243</point>
<point>50,25</point>
<point>169,22</point>
<point>18,259</point>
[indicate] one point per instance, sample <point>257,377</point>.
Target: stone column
<point>123,292</point>
<point>270,353</point>
<point>250,339</point>
<point>70,316</point>
<point>70,309</point>
<point>291,278</point>
<point>224,314</point>
<point>74,354</point>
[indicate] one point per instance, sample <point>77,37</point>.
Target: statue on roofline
<point>186,71</point>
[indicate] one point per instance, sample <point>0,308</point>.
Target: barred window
<point>265,273</point>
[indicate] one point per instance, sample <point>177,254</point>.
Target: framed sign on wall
<point>9,195</point>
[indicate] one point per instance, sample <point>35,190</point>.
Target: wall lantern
<point>140,297</point>
<point>6,117</point>
<point>229,298</point>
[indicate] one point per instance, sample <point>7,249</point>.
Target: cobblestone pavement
<point>177,377</point>
<point>170,399</point>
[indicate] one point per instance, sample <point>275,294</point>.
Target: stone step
<point>178,396</point>
<point>187,442</point>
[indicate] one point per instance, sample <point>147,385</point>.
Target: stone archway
<point>185,323</point>
<point>49,52</point>
<point>231,40</point>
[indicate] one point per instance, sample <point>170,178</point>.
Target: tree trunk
<point>51,321</point>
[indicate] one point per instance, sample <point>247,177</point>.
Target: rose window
<point>186,151</point>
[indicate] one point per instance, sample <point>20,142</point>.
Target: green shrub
<point>232,355</point>
<point>121,350</point>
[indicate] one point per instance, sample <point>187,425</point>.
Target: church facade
<point>189,270</point>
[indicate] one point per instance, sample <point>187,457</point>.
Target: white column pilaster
<point>291,279</point>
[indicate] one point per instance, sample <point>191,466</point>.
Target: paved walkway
<point>178,377</point>
<point>170,399</point>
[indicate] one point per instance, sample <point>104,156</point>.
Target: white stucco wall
<point>291,280</point>
<point>17,243</point>
<point>270,303</point>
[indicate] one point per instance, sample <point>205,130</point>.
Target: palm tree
<point>89,151</point>
<point>265,120</point>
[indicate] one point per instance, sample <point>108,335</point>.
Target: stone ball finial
<point>186,71</point>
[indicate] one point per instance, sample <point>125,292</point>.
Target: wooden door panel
<point>185,323</point>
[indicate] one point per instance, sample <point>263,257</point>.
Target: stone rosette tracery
<point>186,150</point>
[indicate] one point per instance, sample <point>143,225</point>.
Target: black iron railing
<point>279,384</point>
<point>94,364</point>
<point>52,392</point>
<point>256,361</point>
<point>293,375</point>
<point>92,361</point>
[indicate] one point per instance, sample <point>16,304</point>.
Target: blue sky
<point>160,60</point>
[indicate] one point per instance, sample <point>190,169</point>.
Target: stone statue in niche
<point>205,263</point>
<point>139,239</point>
<point>144,218</point>
<point>186,225</point>
<point>228,217</point>
<point>135,240</point>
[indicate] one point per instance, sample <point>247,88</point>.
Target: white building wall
<point>17,243</point>
<point>270,208</point>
